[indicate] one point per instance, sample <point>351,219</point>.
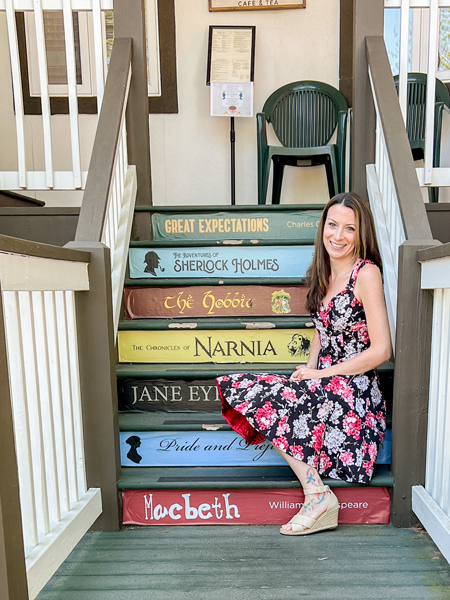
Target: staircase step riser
<point>294,225</point>
<point>209,301</point>
<point>245,507</point>
<point>208,448</point>
<point>289,262</point>
<point>182,394</point>
<point>261,346</point>
<point>154,395</point>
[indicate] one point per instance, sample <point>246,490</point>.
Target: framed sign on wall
<point>254,4</point>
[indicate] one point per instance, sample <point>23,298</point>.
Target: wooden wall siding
<point>42,355</point>
<point>431,502</point>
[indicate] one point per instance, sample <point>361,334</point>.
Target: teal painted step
<point>174,478</point>
<point>208,371</point>
<point>227,323</point>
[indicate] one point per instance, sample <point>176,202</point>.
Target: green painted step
<point>182,421</point>
<point>172,478</point>
<point>207,370</point>
<point>275,322</point>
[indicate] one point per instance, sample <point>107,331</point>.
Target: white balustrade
<point>427,175</point>
<point>388,221</point>
<point>432,503</point>
<point>40,325</point>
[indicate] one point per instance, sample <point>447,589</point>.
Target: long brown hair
<point>366,246</point>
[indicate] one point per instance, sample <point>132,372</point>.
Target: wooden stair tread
<point>230,477</point>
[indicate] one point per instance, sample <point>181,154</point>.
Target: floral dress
<point>334,424</point>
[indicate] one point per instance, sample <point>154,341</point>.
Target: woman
<point>329,417</point>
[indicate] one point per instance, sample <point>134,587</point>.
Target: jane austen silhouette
<point>135,442</point>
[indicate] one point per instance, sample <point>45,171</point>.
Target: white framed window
<point>418,40</point>
<point>56,54</point>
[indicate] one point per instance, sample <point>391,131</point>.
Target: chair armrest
<point>438,110</point>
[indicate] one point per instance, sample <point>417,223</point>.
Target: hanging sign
<point>358,505</point>
<point>254,4</point>
<point>223,261</point>
<point>202,449</point>
<point>231,99</point>
<point>217,346</point>
<point>289,225</point>
<point>168,395</point>
<point>215,301</point>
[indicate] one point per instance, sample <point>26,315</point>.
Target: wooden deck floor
<point>252,562</point>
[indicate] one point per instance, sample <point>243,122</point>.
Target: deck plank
<point>246,562</point>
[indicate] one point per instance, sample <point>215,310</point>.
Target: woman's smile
<point>339,233</point>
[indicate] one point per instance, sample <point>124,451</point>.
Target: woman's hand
<point>305,372</point>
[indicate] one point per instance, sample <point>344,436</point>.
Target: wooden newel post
<point>97,359</point>
<point>13,574</point>
<point>411,382</point>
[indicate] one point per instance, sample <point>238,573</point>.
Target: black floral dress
<point>334,424</point>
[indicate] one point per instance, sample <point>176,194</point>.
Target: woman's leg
<point>315,504</point>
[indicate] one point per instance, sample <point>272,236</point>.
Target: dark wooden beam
<point>367,21</point>
<point>129,22</point>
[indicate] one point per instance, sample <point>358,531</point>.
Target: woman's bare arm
<point>369,290</point>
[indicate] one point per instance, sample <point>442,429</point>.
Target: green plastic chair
<point>304,116</point>
<point>415,120</point>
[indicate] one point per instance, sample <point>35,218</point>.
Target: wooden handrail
<point>434,253</point>
<point>19,246</point>
<point>96,194</point>
<point>412,209</point>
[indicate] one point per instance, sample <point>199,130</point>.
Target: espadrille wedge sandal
<point>327,520</point>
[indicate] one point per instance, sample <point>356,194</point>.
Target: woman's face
<point>339,232</point>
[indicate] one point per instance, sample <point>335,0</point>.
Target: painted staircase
<point>217,290</point>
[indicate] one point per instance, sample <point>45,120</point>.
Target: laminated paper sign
<point>215,301</point>
<point>200,449</point>
<point>361,505</point>
<point>290,225</point>
<point>222,261</point>
<point>151,395</point>
<point>218,346</point>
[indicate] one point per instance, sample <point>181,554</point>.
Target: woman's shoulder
<point>368,274</point>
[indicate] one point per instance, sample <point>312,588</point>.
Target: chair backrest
<point>304,114</point>
<point>416,103</point>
